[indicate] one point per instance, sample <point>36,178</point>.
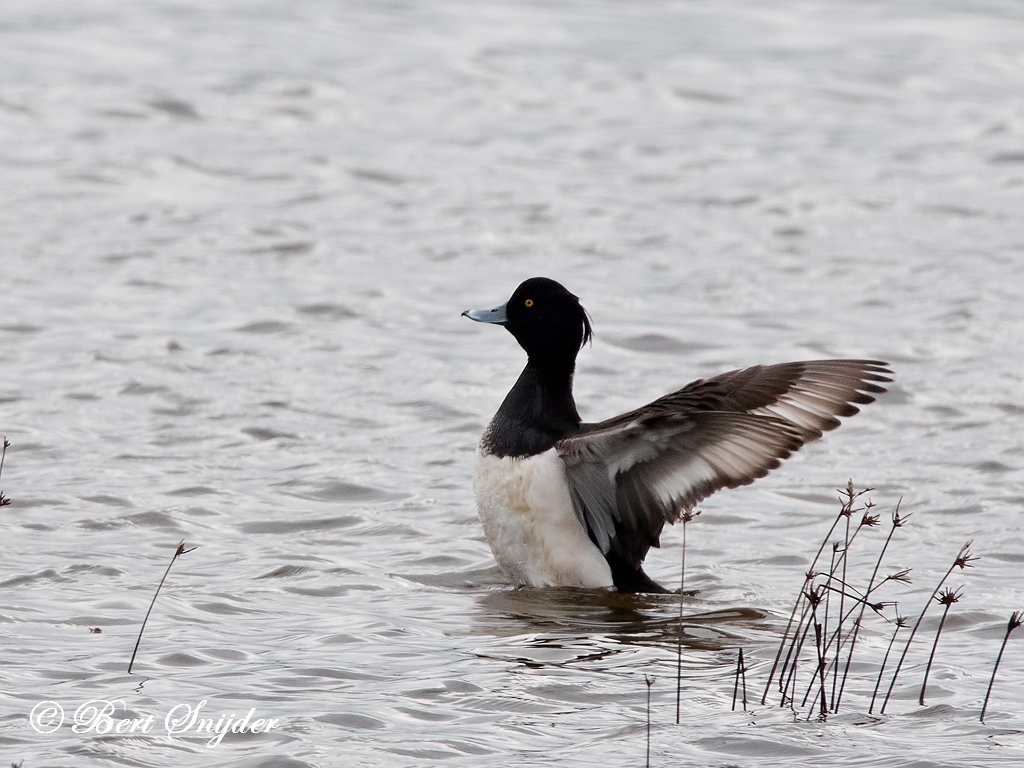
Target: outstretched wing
<point>630,475</point>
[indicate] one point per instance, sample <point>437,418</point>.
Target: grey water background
<point>236,240</point>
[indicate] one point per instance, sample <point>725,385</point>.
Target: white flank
<point>529,522</point>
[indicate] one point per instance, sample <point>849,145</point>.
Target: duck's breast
<point>530,524</point>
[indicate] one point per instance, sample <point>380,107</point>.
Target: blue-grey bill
<point>496,315</point>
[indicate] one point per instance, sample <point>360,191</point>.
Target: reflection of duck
<point>554,626</point>
<point>570,504</point>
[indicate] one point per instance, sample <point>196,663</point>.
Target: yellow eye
<point>528,302</point>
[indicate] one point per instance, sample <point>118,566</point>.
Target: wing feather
<point>630,475</point>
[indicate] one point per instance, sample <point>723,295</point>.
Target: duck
<point>565,503</point>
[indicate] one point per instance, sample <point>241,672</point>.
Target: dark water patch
<point>352,721</point>
<point>303,674</point>
<point>707,97</point>
<point>992,467</point>
<point>222,609</point>
<point>1005,158</point>
<point>137,388</point>
<point>428,715</point>
<point>83,396</point>
<point>724,518</point>
<point>29,502</point>
<point>108,501</point>
<point>958,211</point>
<point>178,108</point>
<point>750,747</point>
<point>790,232</point>
<point>784,560</point>
<point>266,326</point>
<point>272,761</point>
<point>816,498</point>
<point>339,491</point>
<point>333,591</point>
<point>341,639</point>
<point>101,570</point>
<point>327,311</point>
<point>298,526</point>
<point>152,520</point>
<point>263,434</point>
<point>49,574</point>
<point>379,177</point>
<point>181,660</point>
<point>286,571</point>
<point>193,490</point>
<point>295,248</point>
<point>20,328</point>
<point>227,654</point>
<point>1006,557</point>
<point>469,749</point>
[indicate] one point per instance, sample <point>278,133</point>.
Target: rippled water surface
<point>237,237</point>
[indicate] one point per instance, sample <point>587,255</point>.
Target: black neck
<point>537,413</point>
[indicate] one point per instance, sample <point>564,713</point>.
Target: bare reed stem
<point>177,553</point>
<point>897,522</point>
<point>1014,622</point>
<point>686,516</point>
<point>650,682</point>
<point>963,560</point>
<point>821,665</point>
<point>848,497</point>
<point>900,623</point>
<point>947,598</point>
<point>741,673</point>
<point>4,501</point>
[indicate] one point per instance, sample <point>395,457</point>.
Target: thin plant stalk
<point>177,553</point>
<point>897,522</point>
<point>1014,622</point>
<point>947,598</point>
<point>650,682</point>
<point>845,510</point>
<point>741,672</point>
<point>686,516</point>
<point>796,605</point>
<point>4,501</point>
<point>796,649</point>
<point>900,623</point>
<point>821,665</point>
<point>963,560</point>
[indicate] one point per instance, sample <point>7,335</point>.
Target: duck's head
<point>546,320</point>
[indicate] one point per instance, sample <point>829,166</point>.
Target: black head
<point>546,320</point>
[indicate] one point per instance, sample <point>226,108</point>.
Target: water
<point>237,238</point>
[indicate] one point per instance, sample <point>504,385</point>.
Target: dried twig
<point>177,553</point>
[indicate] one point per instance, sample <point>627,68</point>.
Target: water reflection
<point>570,618</point>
